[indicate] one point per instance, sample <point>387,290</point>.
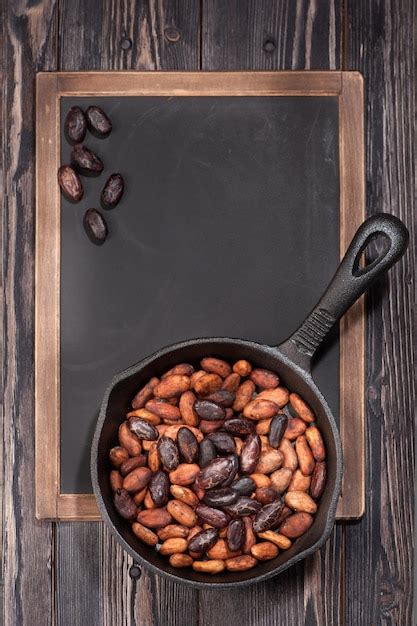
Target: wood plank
<point>114,596</point>
<point>29,45</point>
<point>381,46</point>
<point>352,326</point>
<point>306,35</point>
<point>267,35</point>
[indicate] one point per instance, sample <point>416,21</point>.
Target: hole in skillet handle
<point>373,250</point>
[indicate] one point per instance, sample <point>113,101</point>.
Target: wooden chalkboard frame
<point>50,87</point>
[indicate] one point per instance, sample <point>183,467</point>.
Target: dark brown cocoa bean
<point>168,453</point>
<point>277,430</point>
<point>124,504</point>
<point>318,480</point>
<point>223,442</point>
<point>235,536</point>
<point>187,445</point>
<point>112,191</point>
<point>250,454</point>
<point>245,486</point>
<point>214,517</point>
<point>267,517</point>
<point>143,429</point>
<point>209,410</point>
<point>239,426</point>
<point>207,452</point>
<point>203,541</point>
<point>266,495</point>
<point>70,183</point>
<point>75,125</point>
<point>243,506</point>
<point>223,397</point>
<point>234,462</point>
<point>216,472</point>
<point>220,497</point>
<point>98,122</point>
<point>159,488</point>
<point>85,160</point>
<point>95,226</point>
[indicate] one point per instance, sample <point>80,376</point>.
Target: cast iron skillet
<point>291,360</point>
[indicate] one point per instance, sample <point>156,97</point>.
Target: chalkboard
<point>229,225</point>
<point>242,191</point>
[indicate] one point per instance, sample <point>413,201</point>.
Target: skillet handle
<point>349,282</point>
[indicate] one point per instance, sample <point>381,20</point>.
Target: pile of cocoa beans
<point>84,161</point>
<point>218,468</point>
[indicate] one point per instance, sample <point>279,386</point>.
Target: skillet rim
<point>274,352</point>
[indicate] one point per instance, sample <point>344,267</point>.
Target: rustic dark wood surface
<point>74,573</point>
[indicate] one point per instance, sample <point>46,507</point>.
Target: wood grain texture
<point>268,35</point>
<point>89,36</point>
<point>379,584</point>
<point>125,34</point>
<point>29,44</point>
<point>233,36</point>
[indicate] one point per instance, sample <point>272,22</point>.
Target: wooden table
<point>74,573</point>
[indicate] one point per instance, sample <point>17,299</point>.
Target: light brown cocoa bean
<point>262,427</point>
<point>154,462</point>
<point>216,366</point>
<point>172,386</point>
<point>279,540</point>
<point>296,525</point>
<point>116,480</point>
<point>174,545</point>
<point>301,408</point>
<point>139,497</point>
<point>260,480</point>
<point>180,560</point>
<point>144,394</point>
<point>194,531</point>
<point>137,479</point>
<point>145,415</point>
<point>129,440</point>
<point>185,474</point>
<point>280,396</point>
<point>290,456</point>
<point>242,367</point>
<point>145,534</point>
<point>299,482</point>
<point>250,538</point>
<point>264,378</point>
<point>305,457</point>
<point>221,551</point>
<point>196,376</point>
<point>163,409</point>
<point>240,563</point>
<point>264,551</point>
<point>148,502</point>
<point>182,369</point>
<point>118,455</point>
<point>300,501</point>
<point>207,384</point>
<point>132,463</point>
<point>244,395</point>
<point>280,479</point>
<point>231,382</point>
<point>260,409</point>
<point>207,426</point>
<point>154,518</point>
<point>316,443</point>
<point>269,461</point>
<point>214,566</point>
<point>186,405</point>
<point>172,530</point>
<point>183,494</point>
<point>295,428</point>
<point>182,513</point>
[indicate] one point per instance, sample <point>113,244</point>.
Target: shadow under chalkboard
<point>229,226</point>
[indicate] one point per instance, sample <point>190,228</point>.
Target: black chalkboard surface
<point>229,226</point>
